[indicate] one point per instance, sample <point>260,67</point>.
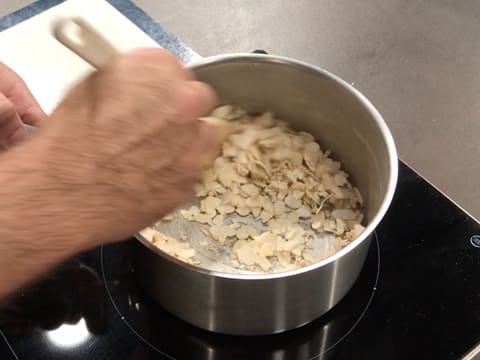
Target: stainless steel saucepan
<point>342,120</point>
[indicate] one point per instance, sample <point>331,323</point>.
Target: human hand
<point>124,147</point>
<point>17,106</point>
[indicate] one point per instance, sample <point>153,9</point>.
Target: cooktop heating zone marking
<point>322,351</point>
<point>121,315</point>
<point>374,290</point>
<point>9,345</point>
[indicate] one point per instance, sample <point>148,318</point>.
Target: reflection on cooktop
<point>65,296</point>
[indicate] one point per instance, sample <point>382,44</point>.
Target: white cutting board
<point>47,67</point>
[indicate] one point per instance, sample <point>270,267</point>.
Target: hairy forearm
<point>34,231</point>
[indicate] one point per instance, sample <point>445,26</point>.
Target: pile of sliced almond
<point>275,195</point>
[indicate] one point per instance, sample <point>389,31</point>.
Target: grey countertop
<point>417,61</point>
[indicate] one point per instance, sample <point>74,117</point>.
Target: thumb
<point>34,115</point>
<point>12,130</point>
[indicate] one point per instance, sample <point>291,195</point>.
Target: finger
<point>195,99</point>
<point>158,60</point>
<point>26,106</point>
<point>33,115</point>
<point>15,89</point>
<point>12,130</point>
<point>207,145</point>
<point>164,59</point>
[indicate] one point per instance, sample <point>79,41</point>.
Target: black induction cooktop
<point>418,297</point>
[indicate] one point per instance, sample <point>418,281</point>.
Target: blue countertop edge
<point>146,23</point>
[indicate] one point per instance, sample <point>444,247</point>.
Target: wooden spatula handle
<point>81,38</point>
